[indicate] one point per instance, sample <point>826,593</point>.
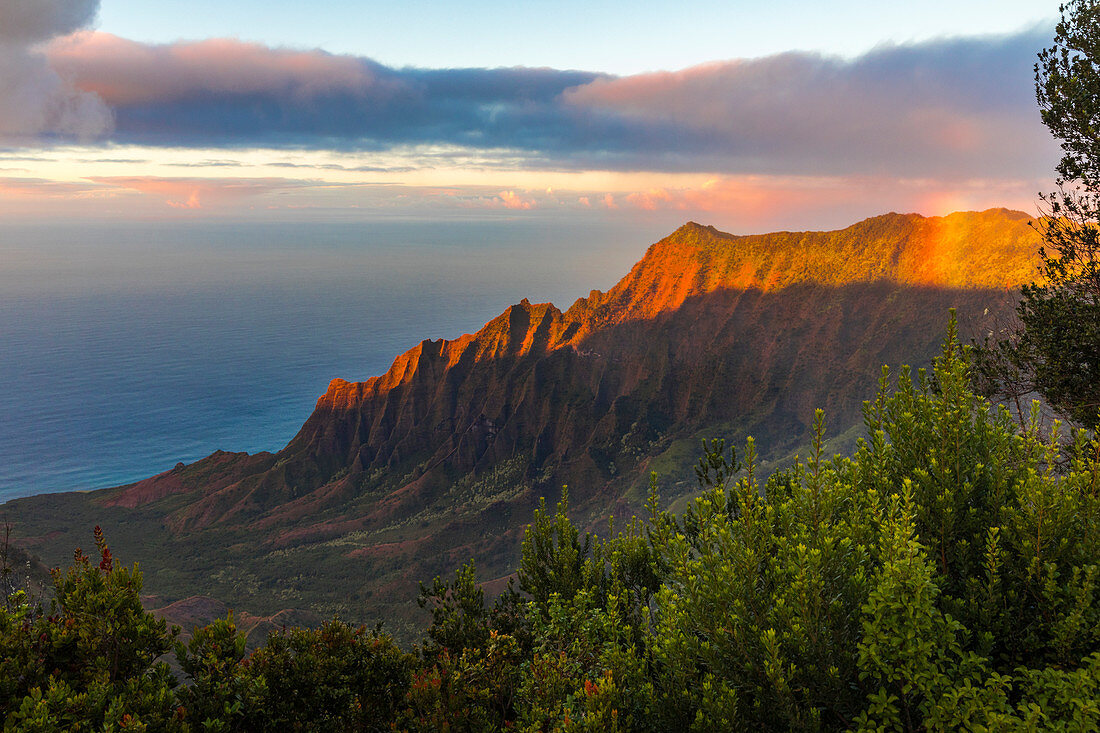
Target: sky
<point>749,116</point>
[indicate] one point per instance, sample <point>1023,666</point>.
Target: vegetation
<point>91,661</point>
<point>942,576</point>
<point>1055,350</point>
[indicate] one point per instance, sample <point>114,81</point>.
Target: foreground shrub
<point>337,677</point>
<point>89,662</point>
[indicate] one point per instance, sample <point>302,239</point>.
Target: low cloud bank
<point>955,108</point>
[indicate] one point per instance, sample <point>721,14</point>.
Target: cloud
<point>34,100</point>
<point>512,200</point>
<point>31,21</point>
<point>197,193</point>
<point>347,168</point>
<point>960,107</point>
<point>226,92</point>
<point>956,106</point>
<point>42,188</point>
<point>128,73</point>
<point>739,203</point>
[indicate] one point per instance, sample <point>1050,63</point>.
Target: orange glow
<point>757,200</point>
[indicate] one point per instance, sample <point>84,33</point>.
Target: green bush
<point>222,695</point>
<point>91,660</point>
<point>338,677</point>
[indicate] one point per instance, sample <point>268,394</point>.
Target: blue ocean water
<point>127,348</point>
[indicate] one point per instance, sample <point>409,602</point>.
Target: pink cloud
<point>938,107</point>
<point>196,193</point>
<point>650,200</point>
<point>512,200</point>
<point>38,188</point>
<point>127,72</point>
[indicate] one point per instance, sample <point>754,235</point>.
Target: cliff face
<point>442,457</point>
<point>706,327</point>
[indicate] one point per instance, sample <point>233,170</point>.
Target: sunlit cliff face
<point>990,250</point>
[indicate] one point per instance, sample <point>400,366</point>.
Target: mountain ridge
<point>690,262</point>
<point>442,457</point>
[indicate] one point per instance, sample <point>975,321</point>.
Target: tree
<point>1055,351</point>
<point>91,662</point>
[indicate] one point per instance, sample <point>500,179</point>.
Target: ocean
<point>126,348</point>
